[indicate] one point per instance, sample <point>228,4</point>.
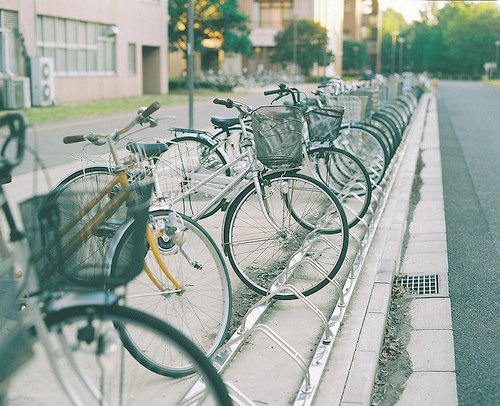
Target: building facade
<point>268,17</point>
<point>363,23</point>
<point>72,50</point>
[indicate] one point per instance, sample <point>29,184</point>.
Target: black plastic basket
<point>68,254</point>
<point>278,136</point>
<point>324,123</point>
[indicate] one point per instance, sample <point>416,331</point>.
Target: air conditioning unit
<point>42,81</point>
<point>16,93</point>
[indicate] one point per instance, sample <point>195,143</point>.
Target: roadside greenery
<point>455,40</point>
<point>79,110</point>
<point>303,42</point>
<point>217,25</point>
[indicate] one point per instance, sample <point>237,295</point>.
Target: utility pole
<point>190,62</point>
<point>394,35</point>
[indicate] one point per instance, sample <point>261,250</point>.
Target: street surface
<point>469,126</point>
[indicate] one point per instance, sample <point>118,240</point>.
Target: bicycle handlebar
<point>243,108</point>
<point>96,139</point>
<point>283,91</point>
<point>229,103</point>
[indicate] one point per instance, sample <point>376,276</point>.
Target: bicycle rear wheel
<point>201,306</point>
<point>94,338</point>
<point>311,226</point>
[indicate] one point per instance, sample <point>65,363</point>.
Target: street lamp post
<point>401,49</point>
<point>355,49</point>
<point>394,35</point>
<point>497,45</point>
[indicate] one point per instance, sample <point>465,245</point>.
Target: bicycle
<point>91,341</point>
<point>185,279</point>
<point>266,203</point>
<point>259,204</point>
<point>340,170</point>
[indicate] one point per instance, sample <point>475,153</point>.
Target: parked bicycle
<point>96,348</point>
<point>184,280</point>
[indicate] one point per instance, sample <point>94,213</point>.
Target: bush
<point>181,84</point>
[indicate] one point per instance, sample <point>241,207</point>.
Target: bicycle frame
<point>252,168</point>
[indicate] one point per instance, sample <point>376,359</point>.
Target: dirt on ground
<point>394,364</point>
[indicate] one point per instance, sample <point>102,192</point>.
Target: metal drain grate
<point>419,284</point>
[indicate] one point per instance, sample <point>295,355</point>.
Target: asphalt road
<point>469,126</point>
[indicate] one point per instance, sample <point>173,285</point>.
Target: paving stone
<point>432,351</point>
<point>425,263</point>
<point>423,246</point>
<point>359,384</point>
<point>434,226</point>
<point>430,389</point>
<point>431,313</point>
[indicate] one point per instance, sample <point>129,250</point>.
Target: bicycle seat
<point>224,122</point>
<point>147,150</point>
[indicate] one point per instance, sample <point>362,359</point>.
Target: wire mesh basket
<point>324,123</point>
<point>78,246</point>
<point>278,136</point>
<point>353,106</point>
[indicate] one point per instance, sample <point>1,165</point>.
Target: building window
<point>9,50</point>
<point>132,59</point>
<point>76,46</point>
<point>275,13</point>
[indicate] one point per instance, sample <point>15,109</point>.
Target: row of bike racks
<point>251,322</point>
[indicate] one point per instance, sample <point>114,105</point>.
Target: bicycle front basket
<point>324,123</point>
<point>278,136</point>
<point>72,244</point>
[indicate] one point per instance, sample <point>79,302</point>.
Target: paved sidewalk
<point>354,360</point>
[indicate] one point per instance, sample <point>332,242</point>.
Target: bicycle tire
<point>215,290</point>
<point>258,253</point>
<point>188,157</point>
<point>368,147</point>
<point>72,194</point>
<point>94,334</point>
<point>201,310</point>
<point>347,177</point>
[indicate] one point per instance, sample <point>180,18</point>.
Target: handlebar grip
<point>228,102</point>
<point>269,92</point>
<point>151,109</point>
<point>71,139</point>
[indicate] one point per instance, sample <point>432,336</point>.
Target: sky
<point>409,8</point>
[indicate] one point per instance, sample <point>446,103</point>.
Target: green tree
<point>456,39</point>
<point>393,25</point>
<point>218,23</point>
<point>303,42</point>
<point>354,56</point>
<point>470,35</point>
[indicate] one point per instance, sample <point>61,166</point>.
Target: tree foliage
<point>354,55</point>
<point>219,22</point>
<point>303,42</point>
<point>456,39</point>
<point>393,24</point>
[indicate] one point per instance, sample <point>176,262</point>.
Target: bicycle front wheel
<point>189,160</point>
<point>302,226</point>
<point>347,177</point>
<point>92,337</point>
<point>200,306</point>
